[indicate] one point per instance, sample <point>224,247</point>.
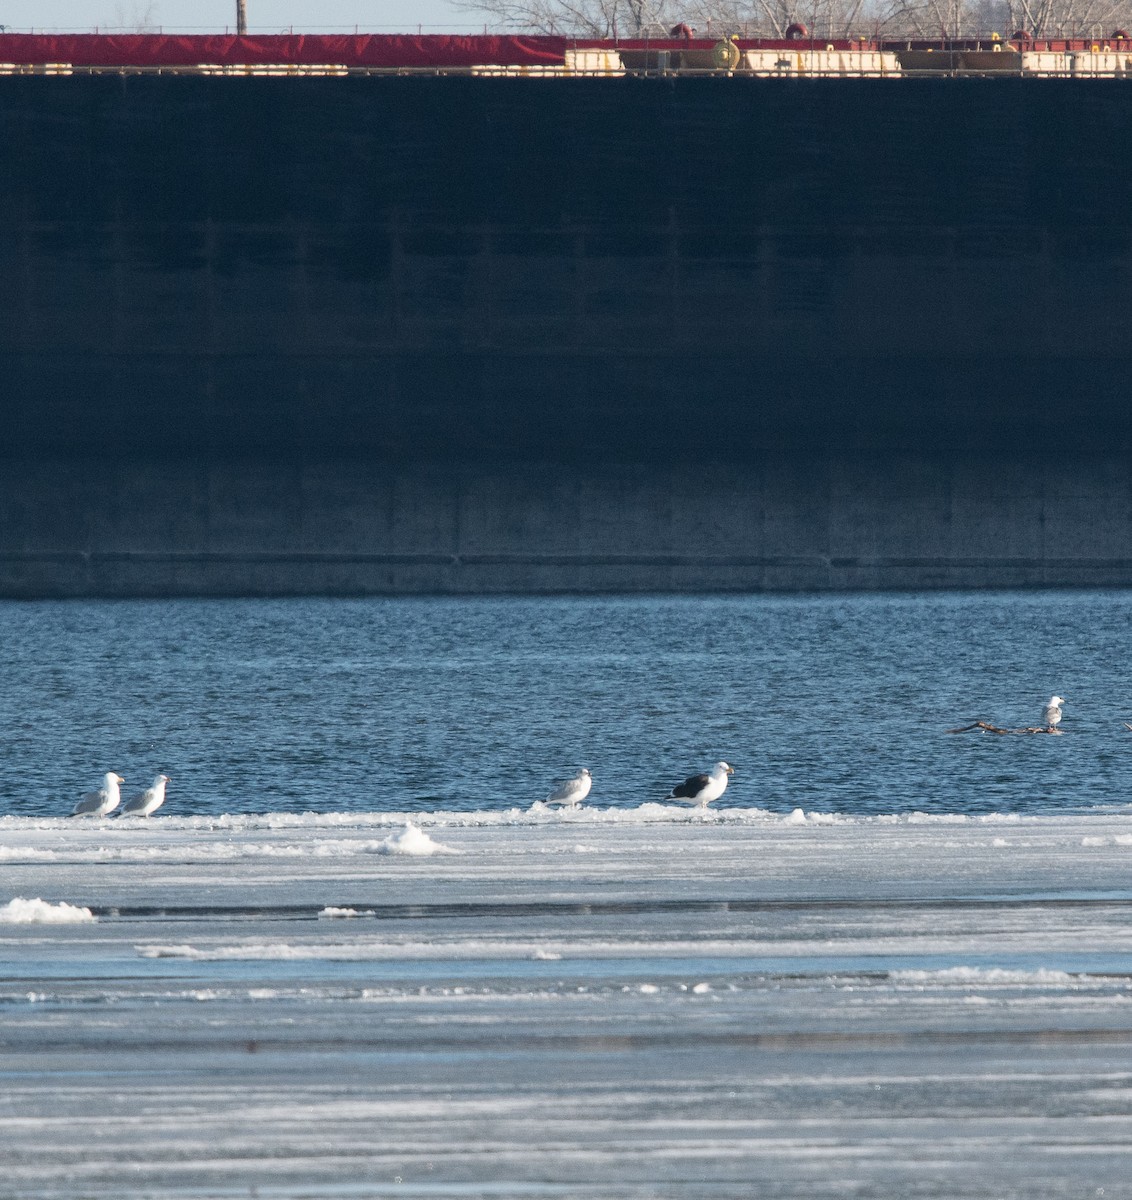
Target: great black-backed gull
<point>1051,714</point>
<point>148,801</point>
<point>703,789</point>
<point>105,800</point>
<point>573,791</point>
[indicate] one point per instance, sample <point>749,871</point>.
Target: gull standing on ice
<point>1051,714</point>
<point>703,789</point>
<point>572,792</point>
<point>105,800</point>
<point>148,801</point>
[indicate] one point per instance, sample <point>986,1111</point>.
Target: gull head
<point>725,768</point>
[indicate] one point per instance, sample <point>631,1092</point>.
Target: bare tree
<point>822,19</point>
<point>830,18</point>
<point>948,19</point>
<point>133,18</point>
<point>582,18</point>
<point>637,18</point>
<point>1083,18</point>
<point>1036,18</point>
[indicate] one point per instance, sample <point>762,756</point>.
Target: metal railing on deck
<point>828,62</point>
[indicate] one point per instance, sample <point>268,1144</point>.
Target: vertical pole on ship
<point>241,17</point>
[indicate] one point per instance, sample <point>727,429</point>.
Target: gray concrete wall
<point>250,527</point>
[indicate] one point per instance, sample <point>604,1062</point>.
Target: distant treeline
<point>818,18</point>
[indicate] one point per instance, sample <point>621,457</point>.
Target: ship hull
<point>584,334</point>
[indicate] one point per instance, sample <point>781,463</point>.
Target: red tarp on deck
<point>390,51</point>
<point>352,50</point>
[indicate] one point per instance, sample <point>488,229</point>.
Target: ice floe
<point>42,912</point>
<point>414,841</point>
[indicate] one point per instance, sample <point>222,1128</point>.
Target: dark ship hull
<point>383,333</point>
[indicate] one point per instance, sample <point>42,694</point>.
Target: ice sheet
<point>607,1003</point>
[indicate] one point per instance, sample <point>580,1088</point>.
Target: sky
<point>264,16</point>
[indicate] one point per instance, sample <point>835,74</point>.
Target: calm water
<point>835,704</point>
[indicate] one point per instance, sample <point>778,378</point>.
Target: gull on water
<point>1051,714</point>
<point>105,800</point>
<point>703,789</point>
<point>148,801</point>
<point>572,792</point>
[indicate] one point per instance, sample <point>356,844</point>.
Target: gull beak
<point>730,770</point>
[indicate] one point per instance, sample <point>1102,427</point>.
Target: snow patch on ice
<point>280,951</point>
<point>367,950</point>
<point>41,912</point>
<point>124,843</point>
<point>393,949</point>
<point>25,854</point>
<point>799,816</point>
<point>985,975</point>
<point>412,840</point>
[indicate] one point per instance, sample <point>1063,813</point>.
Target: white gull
<point>148,801</point>
<point>703,789</point>
<point>572,791</point>
<point>1051,714</point>
<point>105,800</point>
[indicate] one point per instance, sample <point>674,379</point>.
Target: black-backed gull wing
<point>691,787</point>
